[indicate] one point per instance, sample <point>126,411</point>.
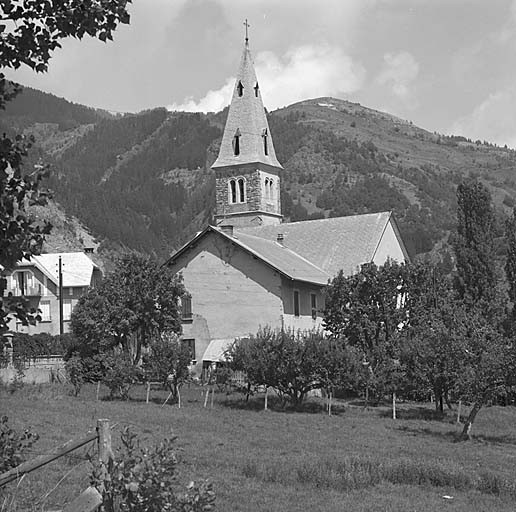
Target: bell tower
<point>247,170</point>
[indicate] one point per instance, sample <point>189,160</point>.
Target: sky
<point>447,65</point>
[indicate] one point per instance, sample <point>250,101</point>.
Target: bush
<point>142,479</point>
<point>13,444</point>
<point>119,374</point>
<point>167,362</point>
<point>75,370</point>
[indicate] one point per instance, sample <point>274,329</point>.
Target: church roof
<point>329,244</point>
<point>280,258</point>
<point>312,251</point>
<point>246,118</point>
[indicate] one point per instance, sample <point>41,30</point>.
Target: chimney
<point>279,238</point>
<point>228,229</point>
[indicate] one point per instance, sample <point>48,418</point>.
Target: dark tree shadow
<point>419,413</point>
<point>452,436</point>
<point>274,403</point>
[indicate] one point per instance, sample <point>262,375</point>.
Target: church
<point>250,269</point>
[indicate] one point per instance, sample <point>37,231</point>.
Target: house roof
<point>330,244</point>
<point>247,115</point>
<point>77,268</point>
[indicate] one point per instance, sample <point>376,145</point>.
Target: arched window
<point>236,143</point>
<point>265,146</point>
<point>241,190</point>
<point>266,188</point>
<point>271,190</point>
<point>232,191</point>
<point>240,88</point>
<point>256,89</point>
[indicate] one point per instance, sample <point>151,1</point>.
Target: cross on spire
<point>246,31</point>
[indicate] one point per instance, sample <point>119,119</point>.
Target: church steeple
<point>247,169</point>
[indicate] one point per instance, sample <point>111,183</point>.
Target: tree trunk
<point>366,401</point>
<point>448,403</point>
<point>466,431</point>
<point>394,406</point>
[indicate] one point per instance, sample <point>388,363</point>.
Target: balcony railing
<point>29,291</point>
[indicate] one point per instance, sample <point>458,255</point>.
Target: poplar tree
<point>475,278</point>
<point>485,355</point>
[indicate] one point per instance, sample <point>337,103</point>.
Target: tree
<point>167,361</point>
<point>134,303</point>
<point>291,363</point>
<point>510,265</point>
<point>366,310</point>
<point>432,345</point>
<point>30,30</point>
<point>473,244</point>
<point>486,362</point>
<point>487,357</point>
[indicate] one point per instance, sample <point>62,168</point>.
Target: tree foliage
<point>30,30</point>
<point>474,244</point>
<point>366,311</point>
<point>432,346</point>
<point>292,363</point>
<point>167,361</point>
<point>138,300</point>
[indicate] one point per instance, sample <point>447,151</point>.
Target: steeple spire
<point>246,115</point>
<point>247,170</point>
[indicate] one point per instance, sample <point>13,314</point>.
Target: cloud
<point>398,72</point>
<point>304,72</point>
<point>494,119</point>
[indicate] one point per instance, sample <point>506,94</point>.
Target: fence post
<point>104,433</point>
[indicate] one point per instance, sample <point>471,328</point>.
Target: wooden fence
<point>90,500</point>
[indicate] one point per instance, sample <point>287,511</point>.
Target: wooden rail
<point>90,500</point>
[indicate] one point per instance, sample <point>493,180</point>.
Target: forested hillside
<point>143,181</point>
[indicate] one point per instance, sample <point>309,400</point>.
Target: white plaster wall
<point>233,293</point>
<point>304,321</point>
<point>389,247</point>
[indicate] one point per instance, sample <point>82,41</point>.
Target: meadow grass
<point>355,460</point>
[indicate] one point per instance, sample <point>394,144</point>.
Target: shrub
<point>119,374</point>
<point>13,444</point>
<point>146,479</point>
<point>167,362</point>
<point>75,371</point>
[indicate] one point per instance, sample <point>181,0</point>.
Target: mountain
<point>143,181</point>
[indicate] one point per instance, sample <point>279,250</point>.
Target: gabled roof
<point>331,244</point>
<point>312,251</point>
<point>247,116</point>
<point>280,258</point>
<point>77,268</point>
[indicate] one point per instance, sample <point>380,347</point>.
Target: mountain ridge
<point>143,181</point>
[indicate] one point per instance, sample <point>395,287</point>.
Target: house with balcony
<point>37,280</point>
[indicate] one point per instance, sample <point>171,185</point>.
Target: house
<point>37,280</point>
<point>250,269</point>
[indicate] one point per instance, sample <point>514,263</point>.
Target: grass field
<point>356,460</point>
